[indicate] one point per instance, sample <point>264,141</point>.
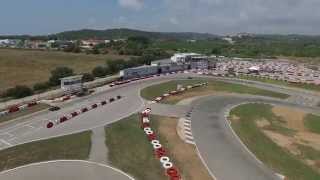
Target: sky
<point>40,17</point>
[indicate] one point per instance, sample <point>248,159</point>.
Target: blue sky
<point>212,16</point>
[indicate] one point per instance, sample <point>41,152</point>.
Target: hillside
<point>125,33</point>
<point>115,34</point>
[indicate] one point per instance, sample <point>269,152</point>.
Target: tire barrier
<point>183,89</point>
<point>51,124</point>
<point>159,151</point>
<point>16,108</point>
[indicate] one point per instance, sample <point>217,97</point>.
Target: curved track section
<point>223,152</point>
<point>65,170</point>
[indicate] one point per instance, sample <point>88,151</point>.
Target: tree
<point>19,92</point>
<point>41,86</point>
<point>87,77</point>
<point>99,71</point>
<point>58,73</point>
<point>95,50</point>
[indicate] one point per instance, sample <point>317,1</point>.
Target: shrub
<point>58,73</point>
<point>19,92</point>
<point>99,71</point>
<point>87,77</point>
<point>41,86</point>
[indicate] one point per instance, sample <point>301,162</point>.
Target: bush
<point>19,92</point>
<point>87,77</point>
<point>58,73</point>
<point>99,71</point>
<point>41,86</point>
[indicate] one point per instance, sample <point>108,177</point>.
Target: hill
<point>125,33</point>
<point>121,33</point>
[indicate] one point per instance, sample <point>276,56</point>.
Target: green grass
<point>265,149</point>
<point>130,151</point>
<point>76,146</point>
<point>312,87</point>
<point>308,152</point>
<point>23,112</point>
<point>157,90</point>
<point>312,122</point>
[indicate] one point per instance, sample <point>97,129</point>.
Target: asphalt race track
<point>65,170</point>
<point>220,149</point>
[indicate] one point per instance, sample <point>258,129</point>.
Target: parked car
<point>54,108</point>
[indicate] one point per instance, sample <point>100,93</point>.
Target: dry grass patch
<point>185,155</point>
<point>294,118</point>
<point>27,67</point>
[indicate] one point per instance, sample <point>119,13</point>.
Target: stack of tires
<point>159,151</point>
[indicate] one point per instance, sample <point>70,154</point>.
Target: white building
<point>182,57</point>
<point>72,84</point>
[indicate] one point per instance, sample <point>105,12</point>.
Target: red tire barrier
<point>144,125</point>
<point>13,109</point>
<point>63,119</point>
<point>84,110</point>
<point>172,172</point>
<point>50,125</point>
<point>66,98</point>
<point>103,103</point>
<point>160,152</point>
<point>94,106</point>
<point>152,137</point>
<point>74,114</point>
<point>32,104</point>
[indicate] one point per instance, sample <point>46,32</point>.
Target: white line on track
<point>56,161</point>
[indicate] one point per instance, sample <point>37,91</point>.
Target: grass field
<point>213,86</point>
<point>312,122</point>
<point>27,67</point>
<point>23,112</point>
<point>76,146</point>
<point>130,151</point>
<point>264,148</point>
<point>312,87</point>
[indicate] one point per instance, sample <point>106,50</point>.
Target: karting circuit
<point>219,148</point>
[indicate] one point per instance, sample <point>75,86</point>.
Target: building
<point>138,72</point>
<point>198,62</point>
<point>72,84</point>
<point>182,57</point>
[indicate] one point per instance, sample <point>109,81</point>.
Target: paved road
<point>33,127</point>
<point>65,170</point>
<point>224,154</point>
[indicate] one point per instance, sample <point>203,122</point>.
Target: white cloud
<point>132,4</point>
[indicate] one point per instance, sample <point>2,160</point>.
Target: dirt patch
<point>293,117</point>
<point>263,123</point>
<point>282,140</point>
<point>309,139</point>
<point>185,155</point>
<point>234,119</point>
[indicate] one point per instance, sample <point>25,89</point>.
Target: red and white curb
<point>173,93</point>
<point>159,151</point>
<point>83,110</point>
<point>185,131</point>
